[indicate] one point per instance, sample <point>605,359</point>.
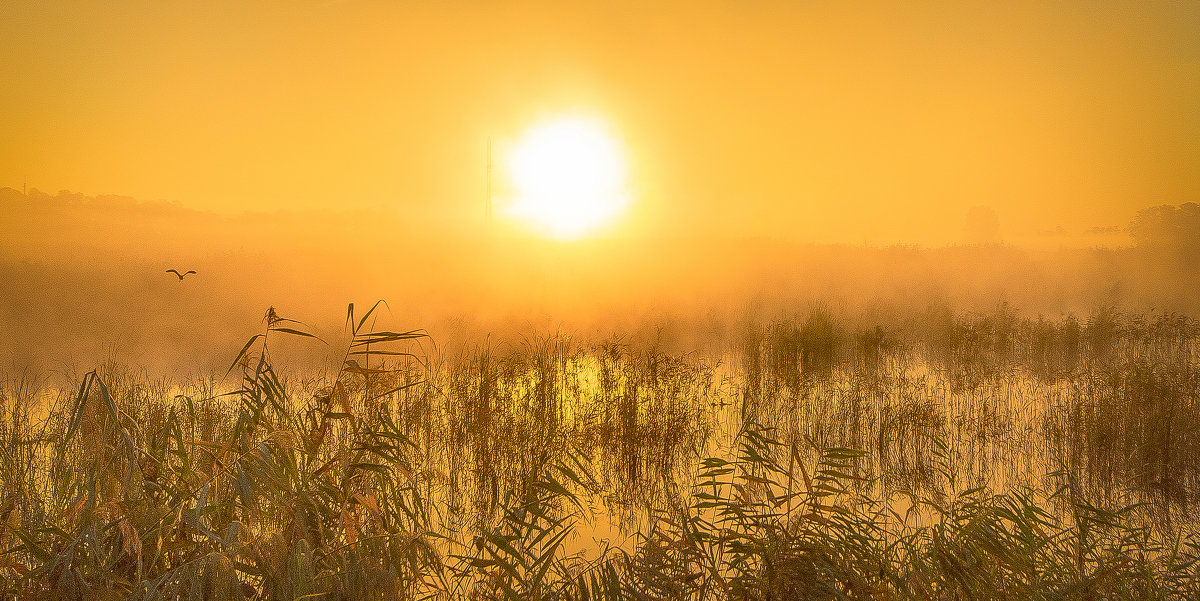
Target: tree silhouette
<point>1168,226</point>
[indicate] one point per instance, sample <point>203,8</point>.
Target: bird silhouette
<point>181,275</point>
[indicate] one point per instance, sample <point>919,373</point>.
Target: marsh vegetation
<point>940,456</point>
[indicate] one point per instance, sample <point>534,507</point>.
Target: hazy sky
<point>821,121</point>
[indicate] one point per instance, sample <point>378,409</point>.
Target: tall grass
<point>978,456</point>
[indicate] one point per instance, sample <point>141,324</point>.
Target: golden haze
<point>308,154</point>
<point>876,122</point>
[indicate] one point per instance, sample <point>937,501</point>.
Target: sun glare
<point>568,177</point>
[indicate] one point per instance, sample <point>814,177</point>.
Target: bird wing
<point>174,271</point>
<point>190,271</point>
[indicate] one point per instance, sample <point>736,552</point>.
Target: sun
<point>568,177</point>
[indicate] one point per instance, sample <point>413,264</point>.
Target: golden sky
<point>810,121</point>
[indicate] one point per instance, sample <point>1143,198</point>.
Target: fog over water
<point>599,300</point>
<point>83,279</point>
<point>876,160</point>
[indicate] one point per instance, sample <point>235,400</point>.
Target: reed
<point>938,456</point>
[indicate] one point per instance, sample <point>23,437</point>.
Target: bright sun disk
<point>569,177</point>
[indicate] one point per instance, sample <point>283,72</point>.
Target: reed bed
<point>942,456</point>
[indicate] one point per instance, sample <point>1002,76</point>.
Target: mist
<point>83,279</point>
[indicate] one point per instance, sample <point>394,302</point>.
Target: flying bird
<point>181,275</point>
